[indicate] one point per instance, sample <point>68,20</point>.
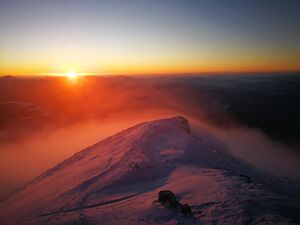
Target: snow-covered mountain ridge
<point>117,180</point>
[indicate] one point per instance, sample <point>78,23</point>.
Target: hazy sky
<point>90,36</point>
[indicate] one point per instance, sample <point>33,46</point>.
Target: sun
<point>71,74</point>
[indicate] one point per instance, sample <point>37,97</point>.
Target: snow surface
<point>117,181</point>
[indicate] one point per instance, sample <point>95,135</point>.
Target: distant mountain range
<point>7,77</point>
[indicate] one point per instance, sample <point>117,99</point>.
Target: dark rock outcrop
<point>186,209</point>
<point>169,199</point>
<point>166,197</point>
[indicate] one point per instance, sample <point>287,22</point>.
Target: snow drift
<point>117,180</point>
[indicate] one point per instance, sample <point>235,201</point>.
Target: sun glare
<point>71,74</point>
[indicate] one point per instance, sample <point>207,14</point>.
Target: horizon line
<point>157,74</point>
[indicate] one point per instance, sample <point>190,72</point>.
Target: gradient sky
<point>45,37</point>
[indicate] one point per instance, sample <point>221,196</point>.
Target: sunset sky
<point>42,37</point>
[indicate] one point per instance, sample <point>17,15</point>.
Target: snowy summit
<point>117,181</point>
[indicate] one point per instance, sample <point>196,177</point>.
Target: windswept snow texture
<point>117,181</point>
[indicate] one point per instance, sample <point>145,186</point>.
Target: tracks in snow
<point>79,208</point>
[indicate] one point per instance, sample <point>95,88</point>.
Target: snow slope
<point>117,181</point>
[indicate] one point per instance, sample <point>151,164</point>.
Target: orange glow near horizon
<point>206,63</point>
<point>157,71</point>
<point>160,60</point>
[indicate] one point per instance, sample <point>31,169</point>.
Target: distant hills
<point>8,77</point>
